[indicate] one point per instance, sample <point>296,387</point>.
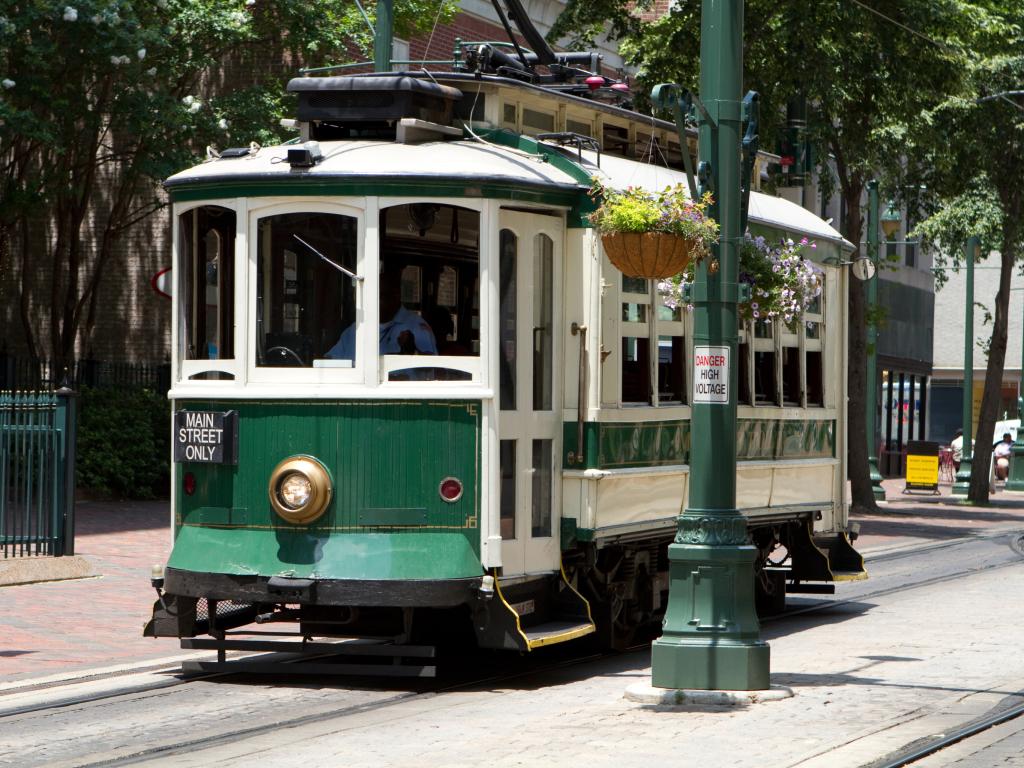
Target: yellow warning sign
<point>922,470</point>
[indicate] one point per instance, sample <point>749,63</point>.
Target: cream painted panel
<point>799,485</point>
<point>578,497</point>
<point>637,498</point>
<point>753,486</point>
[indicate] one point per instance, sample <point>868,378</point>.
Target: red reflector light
<point>189,483</point>
<point>451,489</point>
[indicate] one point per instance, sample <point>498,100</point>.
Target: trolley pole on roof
<point>711,637</point>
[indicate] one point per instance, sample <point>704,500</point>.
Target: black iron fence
<point>22,373</point>
<point>39,441</point>
<point>37,473</point>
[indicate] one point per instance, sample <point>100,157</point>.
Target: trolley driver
<point>403,332</point>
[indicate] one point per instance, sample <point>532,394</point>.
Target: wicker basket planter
<point>651,255</point>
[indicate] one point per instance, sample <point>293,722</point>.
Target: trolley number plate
<point>711,374</point>
<point>206,437</point>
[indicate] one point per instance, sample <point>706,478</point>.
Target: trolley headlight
<point>300,489</point>
<point>295,490</point>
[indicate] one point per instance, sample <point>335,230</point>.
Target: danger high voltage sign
<point>711,374</point>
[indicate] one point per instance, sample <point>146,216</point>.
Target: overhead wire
<point>911,30</point>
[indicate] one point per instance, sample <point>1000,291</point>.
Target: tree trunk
<point>863,498</point>
<point>978,491</point>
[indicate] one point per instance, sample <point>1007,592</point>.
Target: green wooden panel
<point>616,445</point>
<point>381,455</point>
<point>324,554</point>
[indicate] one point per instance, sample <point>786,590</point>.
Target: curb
<point>31,570</point>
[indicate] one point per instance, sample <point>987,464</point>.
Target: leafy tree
<point>101,99</point>
<point>862,80</point>
<point>970,150</point>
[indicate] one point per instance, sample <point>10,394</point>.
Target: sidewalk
<point>56,626</point>
<point>72,626</point>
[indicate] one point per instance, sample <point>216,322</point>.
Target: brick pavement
<point>80,624</point>
<point>61,625</point>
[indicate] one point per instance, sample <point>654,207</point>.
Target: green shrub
<point>123,443</point>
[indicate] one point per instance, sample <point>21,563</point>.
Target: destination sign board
<point>206,437</point>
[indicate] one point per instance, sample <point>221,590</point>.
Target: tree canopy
<point>102,99</point>
<point>852,80</point>
<point>969,151</point>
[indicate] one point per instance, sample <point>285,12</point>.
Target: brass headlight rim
<point>320,494</point>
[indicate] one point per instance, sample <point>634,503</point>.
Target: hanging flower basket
<point>652,235</point>
<point>651,255</point>
<point>783,282</point>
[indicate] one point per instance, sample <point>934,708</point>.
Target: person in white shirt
<point>402,331</point>
<point>1003,450</point>
<point>957,446</point>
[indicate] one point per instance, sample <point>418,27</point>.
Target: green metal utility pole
<point>1015,482</point>
<point>711,636</point>
<point>383,36</point>
<point>872,373</point>
<point>963,477</point>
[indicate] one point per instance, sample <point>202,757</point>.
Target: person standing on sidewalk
<point>957,444</point>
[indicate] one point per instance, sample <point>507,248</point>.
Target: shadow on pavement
<point>97,518</point>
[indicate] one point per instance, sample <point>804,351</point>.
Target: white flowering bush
<point>783,284</point>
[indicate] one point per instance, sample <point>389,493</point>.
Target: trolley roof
<point>469,164</point>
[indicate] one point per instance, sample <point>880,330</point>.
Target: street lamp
<point>962,485</point>
<point>1015,482</point>
<point>891,220</point>
<point>711,636</point>
<point>890,226</point>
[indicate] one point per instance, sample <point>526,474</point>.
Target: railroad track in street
<point>109,693</point>
<point>142,695</point>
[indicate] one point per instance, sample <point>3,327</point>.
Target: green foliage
<point>123,443</point>
<point>671,211</point>
<point>100,100</point>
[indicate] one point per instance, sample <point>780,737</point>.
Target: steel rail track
<point>205,742</point>
<point>919,751</point>
<point>1017,544</point>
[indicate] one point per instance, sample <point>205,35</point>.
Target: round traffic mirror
<point>863,268</point>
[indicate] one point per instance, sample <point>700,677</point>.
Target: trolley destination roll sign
<point>206,437</point>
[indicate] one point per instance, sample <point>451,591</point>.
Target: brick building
<point>131,321</point>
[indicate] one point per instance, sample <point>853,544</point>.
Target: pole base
<point>962,482</point>
<point>708,667</point>
<point>642,693</point>
<point>876,479</point>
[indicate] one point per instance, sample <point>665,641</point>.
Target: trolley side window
<point>207,256</point>
<point>305,290</point>
<point>653,345</point>
<point>783,363</point>
<point>430,291</point>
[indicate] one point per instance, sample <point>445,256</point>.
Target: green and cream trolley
<point>408,383</point>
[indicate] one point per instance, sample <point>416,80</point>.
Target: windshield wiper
<point>353,275</point>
